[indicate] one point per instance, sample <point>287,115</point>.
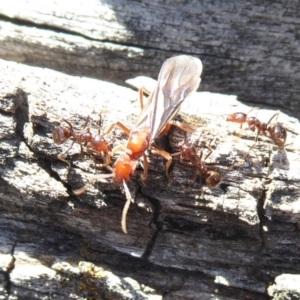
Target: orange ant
<point>96,143</point>
<point>178,78</point>
<point>276,132</point>
<point>189,153</point>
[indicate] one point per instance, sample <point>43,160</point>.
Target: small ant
<point>190,153</point>
<point>96,143</point>
<point>276,132</point>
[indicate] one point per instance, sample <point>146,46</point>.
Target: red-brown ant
<point>276,132</point>
<point>190,153</point>
<point>178,78</point>
<point>96,143</point>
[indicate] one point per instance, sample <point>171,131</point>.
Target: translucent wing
<point>178,77</point>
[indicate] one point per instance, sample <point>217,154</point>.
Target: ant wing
<point>178,78</point>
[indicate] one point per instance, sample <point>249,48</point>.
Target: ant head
<point>213,179</point>
<point>61,135</point>
<point>124,168</point>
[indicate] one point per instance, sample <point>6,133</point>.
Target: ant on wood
<point>85,138</point>
<point>276,132</point>
<point>189,155</point>
<point>178,78</point>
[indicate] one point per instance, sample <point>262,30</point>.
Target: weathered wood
<point>286,286</point>
<point>248,48</point>
<point>230,242</point>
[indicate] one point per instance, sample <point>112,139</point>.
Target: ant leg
<point>177,154</point>
<point>81,152</point>
<point>253,108</point>
<point>80,191</point>
<point>60,157</point>
<point>256,139</point>
<point>182,126</point>
<point>120,125</point>
<point>116,149</point>
<point>210,150</point>
<point>275,115</point>
<point>240,132</point>
<point>209,153</point>
<point>191,182</point>
<point>168,157</point>
<point>182,161</point>
<point>83,189</point>
<point>143,90</point>
<point>86,121</point>
<point>106,164</point>
<point>100,122</point>
<point>126,207</point>
<point>64,160</point>
<point>146,168</point>
<point>107,159</point>
<point>70,125</point>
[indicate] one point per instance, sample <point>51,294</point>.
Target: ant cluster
<point>178,78</point>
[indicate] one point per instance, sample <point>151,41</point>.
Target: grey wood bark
<point>227,243</point>
<point>249,49</point>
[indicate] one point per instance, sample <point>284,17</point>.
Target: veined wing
<point>178,78</point>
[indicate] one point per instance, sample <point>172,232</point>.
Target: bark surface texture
<point>249,49</point>
<point>227,243</point>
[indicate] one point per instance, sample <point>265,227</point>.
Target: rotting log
<point>250,49</point>
<point>230,242</point>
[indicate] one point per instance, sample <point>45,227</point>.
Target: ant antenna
<point>126,207</point>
